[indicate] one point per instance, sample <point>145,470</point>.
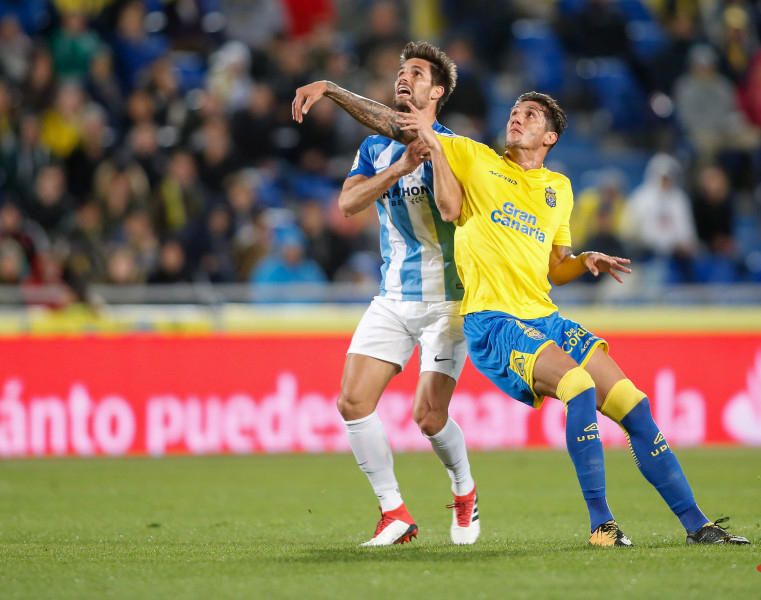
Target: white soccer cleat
<point>466,526</point>
<point>395,527</point>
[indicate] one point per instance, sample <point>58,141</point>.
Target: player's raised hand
<point>417,152</point>
<point>417,121</point>
<point>597,262</point>
<point>305,97</point>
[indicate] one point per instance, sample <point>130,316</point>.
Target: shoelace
<point>609,527</point>
<point>718,522</point>
<point>463,510</point>
<point>385,520</point>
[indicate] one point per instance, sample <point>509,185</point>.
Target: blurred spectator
<point>141,238</point>
<point>242,199</point>
<point>671,61</point>
<point>228,75</point>
<point>15,49</point>
<point>164,87</point>
<point>62,124</point>
<point>288,263</point>
<point>7,114</point>
<point>737,41</point>
<point>488,24</point>
<point>140,108</point>
<point>601,205</point>
<point>144,149</point>
<point>750,92</point>
<point>122,268</point>
<point>103,87</point>
<point>119,188</point>
<point>714,210</point>
<point>706,107</point>
<point>659,217</point>
<point>469,97</point>
<point>73,46</point>
<point>190,25</point>
<point>21,159</point>
<point>13,266</point>
<point>39,86</point>
<point>304,16</point>
<point>253,22</point>
<point>172,267</point>
<point>26,234</point>
<point>253,127</point>
<point>325,246</point>
<point>214,246</point>
<point>86,258</point>
<point>180,200</point>
<point>384,30</point>
<point>134,49</point>
<point>92,150</point>
<point>50,205</point>
<point>597,28</point>
<point>216,160</point>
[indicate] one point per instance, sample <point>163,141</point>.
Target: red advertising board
<point>149,394</point>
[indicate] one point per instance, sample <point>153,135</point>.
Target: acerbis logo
<point>505,177</point>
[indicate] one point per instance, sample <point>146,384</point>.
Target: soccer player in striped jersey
<point>418,303</point>
<point>512,242</point>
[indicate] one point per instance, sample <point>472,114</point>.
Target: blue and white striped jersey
<point>416,244</point>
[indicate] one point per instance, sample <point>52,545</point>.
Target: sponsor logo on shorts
<point>437,359</point>
<point>574,337</point>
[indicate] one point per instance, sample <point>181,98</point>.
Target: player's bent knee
<point>621,400</point>
<point>351,407</point>
<point>573,383</point>
<point>431,422</point>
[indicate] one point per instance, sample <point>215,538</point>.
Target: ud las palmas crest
<point>550,197</point>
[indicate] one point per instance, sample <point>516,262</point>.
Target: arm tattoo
<point>374,115</point>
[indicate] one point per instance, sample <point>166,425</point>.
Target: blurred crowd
<point>150,141</point>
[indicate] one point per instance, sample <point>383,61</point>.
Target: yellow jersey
<point>510,220</point>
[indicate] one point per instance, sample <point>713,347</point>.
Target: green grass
<point>288,527</point>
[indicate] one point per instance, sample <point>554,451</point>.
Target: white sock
<point>372,452</point>
<point>449,446</point>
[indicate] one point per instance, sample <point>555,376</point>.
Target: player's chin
<point>400,103</point>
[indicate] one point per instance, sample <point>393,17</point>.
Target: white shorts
<point>390,329</point>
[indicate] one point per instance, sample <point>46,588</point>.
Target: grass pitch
<point>288,527</point>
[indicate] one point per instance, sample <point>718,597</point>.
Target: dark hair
<point>443,69</point>
<point>556,119</point>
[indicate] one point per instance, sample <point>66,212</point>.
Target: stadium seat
<point>190,70</point>
<point>647,38</point>
<point>613,85</point>
<point>543,58</point>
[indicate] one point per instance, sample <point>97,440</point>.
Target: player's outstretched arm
<point>374,115</point>
<point>359,191</point>
<point>564,266</point>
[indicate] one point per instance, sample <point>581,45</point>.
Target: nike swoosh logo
<point>437,359</point>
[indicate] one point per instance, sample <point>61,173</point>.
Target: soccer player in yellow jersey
<point>512,240</point>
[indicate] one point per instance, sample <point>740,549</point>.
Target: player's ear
<point>550,138</point>
<point>437,91</point>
